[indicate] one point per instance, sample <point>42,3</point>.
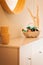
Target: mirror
<point>13,6</point>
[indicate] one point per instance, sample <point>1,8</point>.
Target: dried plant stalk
<point>35,18</point>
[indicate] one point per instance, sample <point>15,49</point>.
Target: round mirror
<point>13,6</point>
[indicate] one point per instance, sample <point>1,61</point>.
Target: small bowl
<point>31,34</point>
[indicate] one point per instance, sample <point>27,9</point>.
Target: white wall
<point>19,21</point>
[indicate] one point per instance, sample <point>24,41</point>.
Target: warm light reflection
<point>11,4</point>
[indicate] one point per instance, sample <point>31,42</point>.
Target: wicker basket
<point>31,34</point>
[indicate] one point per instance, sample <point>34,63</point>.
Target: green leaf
<point>24,30</point>
<point>28,27</point>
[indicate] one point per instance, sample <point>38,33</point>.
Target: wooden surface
<point>5,6</point>
<point>18,42</point>
<point>18,8</point>
<point>9,56</point>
